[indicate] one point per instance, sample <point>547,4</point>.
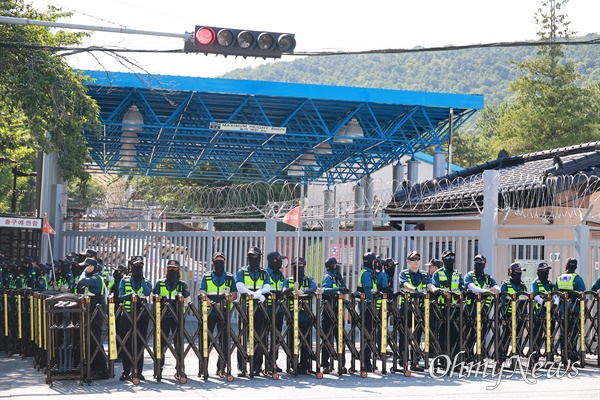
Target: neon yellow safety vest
<point>487,284</point>
<point>254,284</point>
<point>276,286</point>
<point>360,288</point>
<point>420,287</point>
<point>213,290</point>
<point>566,282</point>
<point>511,290</point>
<point>129,290</point>
<point>170,294</point>
<point>542,290</point>
<point>304,285</point>
<point>359,285</point>
<point>453,286</point>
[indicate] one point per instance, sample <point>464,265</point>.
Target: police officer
<point>413,280</point>
<point>217,285</point>
<point>90,283</point>
<point>80,258</point>
<point>29,273</point>
<point>170,289</point>
<point>447,280</point>
<point>511,285</point>
<point>332,286</point>
<point>389,267</point>
<point>367,284</point>
<point>254,280</point>
<point>570,282</point>
<point>41,280</point>
<point>274,269</point>
<point>300,284</point>
<point>540,287</point>
<point>65,282</point>
<point>113,289</point>
<point>136,284</point>
<point>595,286</point>
<point>477,281</point>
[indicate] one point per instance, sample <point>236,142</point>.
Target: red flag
<point>47,229</point>
<point>293,217</point>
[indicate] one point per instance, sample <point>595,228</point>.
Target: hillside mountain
<point>486,71</point>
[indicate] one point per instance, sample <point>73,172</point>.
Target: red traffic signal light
<point>238,42</point>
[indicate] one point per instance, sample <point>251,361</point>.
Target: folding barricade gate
<point>54,328</point>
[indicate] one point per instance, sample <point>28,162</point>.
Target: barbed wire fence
<point>533,196</point>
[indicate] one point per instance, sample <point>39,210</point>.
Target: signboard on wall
<point>15,222</point>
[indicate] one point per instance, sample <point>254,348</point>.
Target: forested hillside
<point>486,71</point>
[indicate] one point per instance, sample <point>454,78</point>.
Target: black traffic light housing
<point>239,42</point>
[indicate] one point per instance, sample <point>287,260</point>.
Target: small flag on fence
<point>293,217</point>
<point>47,229</point>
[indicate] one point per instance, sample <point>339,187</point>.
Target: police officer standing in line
<point>136,284</point>
<point>445,280</point>
<point>596,285</point>
<point>170,289</point>
<point>300,284</point>
<point>389,267</point>
<point>65,281</point>
<point>252,280</point>
<point>540,287</point>
<point>30,273</point>
<point>512,285</point>
<point>477,281</point>
<point>90,283</point>
<point>113,289</point>
<point>332,286</point>
<point>217,285</point>
<point>367,284</point>
<point>41,280</point>
<point>274,269</point>
<point>570,282</point>
<point>413,280</point>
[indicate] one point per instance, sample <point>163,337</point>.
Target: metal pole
<point>13,204</point>
<point>450,122</point>
<point>26,21</point>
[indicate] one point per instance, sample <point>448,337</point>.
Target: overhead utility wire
<point>73,50</point>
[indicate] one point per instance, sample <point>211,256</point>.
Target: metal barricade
<point>169,335</point>
<point>213,316</point>
<point>65,338</point>
<point>592,325</point>
<point>330,343</point>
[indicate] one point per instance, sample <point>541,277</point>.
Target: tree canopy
<point>548,108</point>
<point>43,101</point>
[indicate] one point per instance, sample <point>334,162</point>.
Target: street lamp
<point>17,173</point>
<point>132,126</point>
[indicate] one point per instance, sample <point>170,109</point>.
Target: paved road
<point>18,380</point>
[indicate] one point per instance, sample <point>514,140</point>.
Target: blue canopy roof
<point>248,130</point>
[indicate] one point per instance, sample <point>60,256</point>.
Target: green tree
<point>548,108</point>
<point>43,102</point>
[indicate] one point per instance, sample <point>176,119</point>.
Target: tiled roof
<point>525,175</point>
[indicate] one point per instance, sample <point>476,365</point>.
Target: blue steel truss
<point>176,139</point>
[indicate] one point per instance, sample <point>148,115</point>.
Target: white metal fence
<point>194,248</point>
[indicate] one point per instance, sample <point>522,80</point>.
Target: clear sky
<point>319,25</point>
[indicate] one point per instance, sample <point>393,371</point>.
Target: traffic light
<point>238,42</point>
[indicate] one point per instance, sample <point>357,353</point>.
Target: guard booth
<point>20,237</point>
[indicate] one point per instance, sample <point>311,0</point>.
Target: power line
<point>76,49</point>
